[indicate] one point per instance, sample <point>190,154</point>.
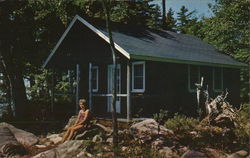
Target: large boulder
<point>25,138</point>
<point>194,154</point>
<point>68,149</point>
<point>148,129</point>
<point>214,153</point>
<point>90,132</point>
<point>239,154</point>
<point>167,152</point>
<point>9,146</point>
<point>55,138</point>
<point>204,153</point>
<point>71,121</point>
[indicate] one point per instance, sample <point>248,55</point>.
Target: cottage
<point>156,69</point>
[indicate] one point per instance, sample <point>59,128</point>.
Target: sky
<point>201,6</point>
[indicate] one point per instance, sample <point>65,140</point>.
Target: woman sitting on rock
<point>80,122</point>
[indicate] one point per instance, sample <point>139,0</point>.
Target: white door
<point>118,82</point>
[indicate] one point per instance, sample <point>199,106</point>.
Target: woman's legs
<point>73,129</point>
<point>67,134</point>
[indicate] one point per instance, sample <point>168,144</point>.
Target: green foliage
<point>38,91</point>
<point>135,13</point>
<point>141,12</point>
<point>170,21</point>
<point>181,124</point>
<point>161,116</point>
<point>243,131</point>
<point>136,150</point>
<point>187,23</point>
<point>229,32</point>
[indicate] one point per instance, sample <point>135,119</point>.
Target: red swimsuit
<point>82,115</point>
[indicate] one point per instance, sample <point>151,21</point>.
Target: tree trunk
<point>164,14</point>
<point>16,85</point>
<point>106,6</point>
<point>20,98</point>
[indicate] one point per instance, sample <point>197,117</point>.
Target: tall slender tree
<point>107,8</point>
<point>170,21</point>
<point>185,20</point>
<point>164,14</point>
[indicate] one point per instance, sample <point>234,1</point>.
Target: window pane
<point>138,70</point>
<point>138,83</point>
<point>138,76</point>
<point>217,78</point>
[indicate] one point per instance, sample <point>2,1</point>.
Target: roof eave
<point>150,58</point>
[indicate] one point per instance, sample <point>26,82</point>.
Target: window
<point>218,79</point>
<point>95,78</point>
<point>138,76</point>
<point>193,77</point>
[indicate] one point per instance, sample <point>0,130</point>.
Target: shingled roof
<point>158,45</point>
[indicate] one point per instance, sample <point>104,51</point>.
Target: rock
<point>6,136</point>
<point>89,155</point>
<point>106,129</point>
<point>87,134</point>
<point>124,148</point>
<point>182,150</point>
<point>214,153</point>
<point>43,140</point>
<point>157,144</point>
<point>48,143</point>
<point>99,155</point>
<point>25,138</point>
<point>106,148</point>
<point>49,153</point>
<point>97,138</point>
<point>108,154</point>
<point>124,132</point>
<point>167,152</point>
<point>239,154</point>
<point>81,154</point>
<point>193,154</point>
<point>70,122</point>
<point>109,140</point>
<point>40,146</point>
<point>147,129</point>
<point>55,138</point>
<point>193,133</point>
<point>9,146</point>
<point>68,149</point>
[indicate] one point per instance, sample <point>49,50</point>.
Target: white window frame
<point>221,89</point>
<point>97,78</point>
<point>143,84</point>
<point>199,76</point>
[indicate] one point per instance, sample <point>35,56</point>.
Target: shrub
<point>242,132</point>
<point>181,124</point>
<point>161,116</point>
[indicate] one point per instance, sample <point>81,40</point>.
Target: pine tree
<point>170,21</point>
<point>185,20</point>
<point>229,32</point>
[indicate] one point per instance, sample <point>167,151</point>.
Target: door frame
<point>109,91</point>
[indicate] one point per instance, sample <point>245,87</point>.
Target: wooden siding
<point>166,84</point>
<point>167,88</point>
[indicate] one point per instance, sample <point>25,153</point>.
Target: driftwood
<point>217,111</point>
